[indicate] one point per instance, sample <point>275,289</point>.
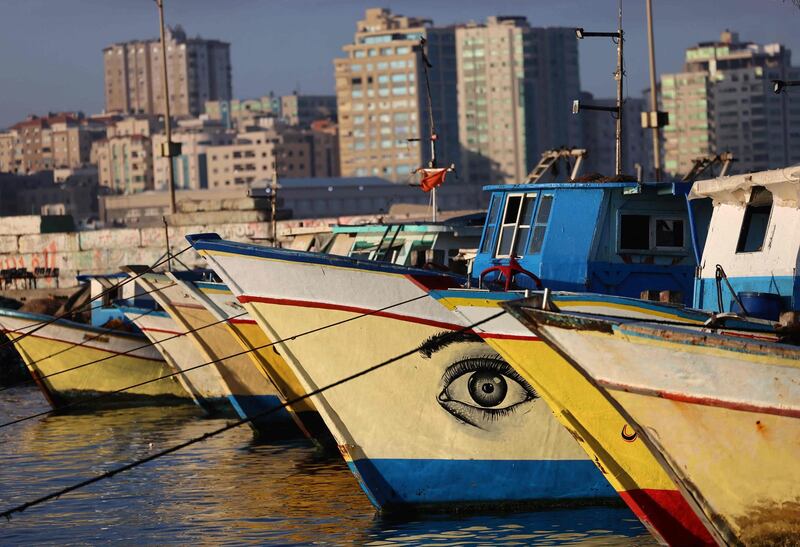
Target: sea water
<point>229,489</point>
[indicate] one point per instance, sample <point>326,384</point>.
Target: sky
<point>51,50</point>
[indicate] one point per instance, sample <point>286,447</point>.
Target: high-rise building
<point>515,89</point>
<point>723,101</point>
<point>381,98</point>
<point>599,137</point>
<point>198,70</point>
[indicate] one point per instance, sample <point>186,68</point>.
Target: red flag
<point>431,178</point>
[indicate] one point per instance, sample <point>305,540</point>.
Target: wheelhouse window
<point>516,223</point>
<point>491,223</point>
<point>540,225</point>
<point>756,221</point>
<point>651,233</point>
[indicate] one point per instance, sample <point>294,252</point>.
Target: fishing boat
<point>249,393</point>
<point>719,412</point>
<point>602,258</point>
<point>91,364</point>
<point>202,384</point>
<point>414,432</point>
<point>676,383</point>
<point>206,289</point>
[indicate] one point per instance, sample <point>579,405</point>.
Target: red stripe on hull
<point>81,345</point>
<point>498,336</point>
<point>244,299</point>
<point>669,515</point>
<point>705,401</point>
<point>242,321</point>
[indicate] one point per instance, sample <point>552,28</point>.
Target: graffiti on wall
<point>46,258</point>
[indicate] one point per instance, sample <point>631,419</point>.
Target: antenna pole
<point>653,93</point>
<point>619,77</point>
<point>167,150</point>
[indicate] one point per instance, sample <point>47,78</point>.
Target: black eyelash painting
<point>482,390</point>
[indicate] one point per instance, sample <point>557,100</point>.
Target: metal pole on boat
<point>653,93</point>
<point>273,202</point>
<point>426,64</point>
<point>619,76</point>
<point>168,149</point>
<point>166,238</point>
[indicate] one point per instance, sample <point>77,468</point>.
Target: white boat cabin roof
<point>784,184</point>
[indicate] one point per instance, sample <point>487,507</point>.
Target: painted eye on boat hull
<point>482,390</point>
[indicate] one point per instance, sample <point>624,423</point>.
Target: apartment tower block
<point>381,97</point>
<point>198,71</point>
<point>516,84</point>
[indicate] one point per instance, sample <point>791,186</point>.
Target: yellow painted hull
<point>271,363</point>
<point>50,352</point>
<point>599,428</point>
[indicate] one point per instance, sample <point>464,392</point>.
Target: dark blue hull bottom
<point>270,419</point>
<point>398,484</point>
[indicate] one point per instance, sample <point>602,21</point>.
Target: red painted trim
<point>242,321</point>
<point>704,401</point>
<point>670,516</point>
<point>498,336</point>
<point>326,306</point>
<point>78,344</point>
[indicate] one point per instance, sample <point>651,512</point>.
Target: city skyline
<point>63,71</point>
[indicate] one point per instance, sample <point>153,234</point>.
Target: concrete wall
<point>103,251</point>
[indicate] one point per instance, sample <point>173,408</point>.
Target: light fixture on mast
<point>618,37</point>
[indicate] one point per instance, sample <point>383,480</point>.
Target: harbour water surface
<point>229,489</point>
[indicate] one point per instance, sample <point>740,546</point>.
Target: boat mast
<point>168,149</point>
<point>426,64</point>
<point>619,76</point>
<point>273,202</point>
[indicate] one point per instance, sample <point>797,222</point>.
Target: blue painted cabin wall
<point>580,250</point>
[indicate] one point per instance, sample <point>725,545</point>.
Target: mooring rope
<point>103,332</point>
<point>136,463</point>
<point>41,324</point>
<point>112,356</point>
<point>244,352</point>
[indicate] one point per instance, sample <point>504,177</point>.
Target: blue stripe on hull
<point>393,483</point>
<point>277,423</point>
<point>705,291</point>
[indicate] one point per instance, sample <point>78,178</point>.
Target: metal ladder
<point>549,159</point>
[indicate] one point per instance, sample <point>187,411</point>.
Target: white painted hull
<point>400,428</point>
<point>248,392</point>
<point>178,351</point>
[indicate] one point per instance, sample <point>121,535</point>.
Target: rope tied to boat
<point>136,463</point>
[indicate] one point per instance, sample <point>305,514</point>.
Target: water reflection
<point>228,490</point>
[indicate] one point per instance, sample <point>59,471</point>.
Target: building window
<point>755,221</point>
